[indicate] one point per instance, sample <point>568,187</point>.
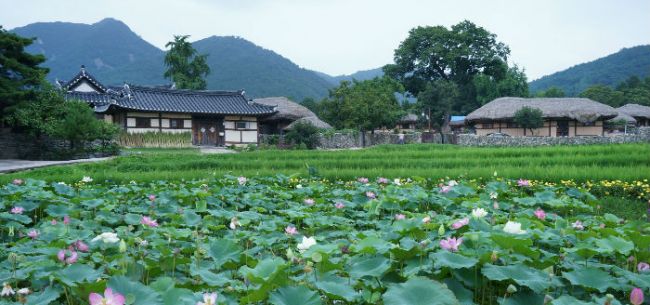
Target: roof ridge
<point>186,91</point>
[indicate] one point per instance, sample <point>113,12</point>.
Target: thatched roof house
<point>628,119</point>
<point>562,116</point>
<point>287,113</point>
<point>639,112</point>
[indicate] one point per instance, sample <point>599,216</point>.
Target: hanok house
<point>563,117</point>
<point>639,112</point>
<point>287,115</point>
<point>214,118</point>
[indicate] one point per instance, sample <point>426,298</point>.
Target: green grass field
<point>580,163</point>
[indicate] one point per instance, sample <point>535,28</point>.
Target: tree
<point>529,118</point>
<point>38,117</point>
<point>488,88</point>
<point>605,95</point>
<point>184,66</point>
<point>303,133</point>
<point>436,100</point>
<point>77,113</point>
<point>20,75</point>
<point>363,105</point>
<point>457,55</point>
<point>551,92</point>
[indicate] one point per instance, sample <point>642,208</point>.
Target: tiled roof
<point>93,98</point>
<point>67,86</point>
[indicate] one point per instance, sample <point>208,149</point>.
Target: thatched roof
<point>286,109</point>
<point>636,110</point>
<point>624,117</point>
<point>581,109</point>
<point>408,118</point>
<point>311,120</point>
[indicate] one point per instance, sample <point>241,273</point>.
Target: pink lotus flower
<point>17,181</point>
<point>460,223</point>
<point>382,180</point>
<point>523,182</point>
<point>363,180</point>
<point>242,180</point>
<point>53,222</point>
<point>109,298</point>
<point>17,210</point>
<point>65,258</point>
<point>636,296</point>
<point>578,225</point>
<point>339,205</point>
<point>309,201</point>
<point>147,221</point>
<point>291,230</point>
<point>152,197</point>
<point>371,195</point>
<point>66,220</point>
<point>400,217</point>
<point>33,234</point>
<point>451,243</point>
<point>445,189</point>
<point>208,299</point>
<point>540,214</point>
<point>80,246</point>
<point>643,267</point>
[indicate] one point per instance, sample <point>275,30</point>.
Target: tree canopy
<point>436,100</point>
<point>185,66</point>
<point>551,92</point>
<point>20,75</point>
<point>631,91</point>
<point>529,118</point>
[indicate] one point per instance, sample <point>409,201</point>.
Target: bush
<point>303,134</point>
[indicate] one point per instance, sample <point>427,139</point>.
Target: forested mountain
<point>609,71</point>
<point>115,54</point>
<point>360,76</point>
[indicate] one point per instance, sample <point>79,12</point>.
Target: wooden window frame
<point>142,122</point>
<point>180,123</point>
<point>237,126</point>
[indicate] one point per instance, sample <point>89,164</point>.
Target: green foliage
<point>363,105</point>
<point>631,91</point>
<point>436,101</point>
<point>605,95</point>
<point>39,116</point>
<point>529,118</point>
<point>20,74</point>
<point>78,125</point>
<point>551,92</point>
<point>515,84</point>
<point>303,133</point>
<point>155,139</point>
<point>608,71</point>
<point>184,66</point>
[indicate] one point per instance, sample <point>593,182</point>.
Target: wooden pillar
<point>160,122</point>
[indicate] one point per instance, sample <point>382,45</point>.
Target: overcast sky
<point>344,36</point>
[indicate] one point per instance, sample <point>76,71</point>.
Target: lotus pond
<point>282,240</point>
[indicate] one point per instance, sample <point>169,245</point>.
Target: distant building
<point>407,122</point>
<point>215,118</point>
<point>639,112</point>
<point>457,123</point>
<point>288,113</point>
<point>563,117</point>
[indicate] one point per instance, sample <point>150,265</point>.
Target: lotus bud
<point>11,231</point>
<point>511,289</point>
<point>548,299</point>
<point>494,257</point>
<point>608,299</point>
<point>636,296</point>
<point>441,230</point>
<point>122,247</point>
<point>290,254</point>
<point>13,257</point>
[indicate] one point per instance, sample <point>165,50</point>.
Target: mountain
<point>115,54</point>
<point>360,76</point>
<point>609,70</point>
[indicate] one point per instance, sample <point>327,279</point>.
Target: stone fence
<point>356,139</point>
<point>21,146</point>
<point>643,135</point>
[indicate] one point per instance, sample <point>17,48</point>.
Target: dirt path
<point>8,166</point>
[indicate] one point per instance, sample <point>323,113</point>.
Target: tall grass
<point>580,163</point>
<point>155,139</point>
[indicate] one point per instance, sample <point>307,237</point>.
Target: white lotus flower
<point>479,213</point>
<point>23,291</point>
<point>513,227</point>
<point>86,179</point>
<point>397,181</point>
<point>452,183</point>
<point>107,238</point>
<point>7,290</point>
<point>493,195</point>
<point>306,243</point>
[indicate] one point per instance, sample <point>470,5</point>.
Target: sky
<point>345,36</point>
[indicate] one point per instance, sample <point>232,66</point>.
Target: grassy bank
<point>580,163</point>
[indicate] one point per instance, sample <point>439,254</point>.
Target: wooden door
<point>205,132</point>
<point>562,128</point>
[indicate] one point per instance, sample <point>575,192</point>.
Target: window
<point>488,125</point>
<point>241,125</point>
<point>142,122</point>
<point>176,123</point>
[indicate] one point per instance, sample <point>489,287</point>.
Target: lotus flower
<point>109,298</point>
<point>80,246</point>
<point>107,238</point>
<point>523,182</point>
<point>445,189</point>
<point>451,243</point>
<point>636,296</point>
<point>397,181</point>
<point>86,179</point>
<point>452,183</point>
<point>306,243</point>
<point>242,180</point>
<point>152,197</point>
<point>479,213</point>
<point>460,223</point>
<point>53,222</point>
<point>400,216</point>
<point>513,227</point>
<point>17,181</point>
<point>426,219</point>
<point>208,299</point>
<point>7,290</point>
<point>309,201</point>
<point>578,225</point>
<point>371,195</point>
<point>33,234</point>
<point>67,259</point>
<point>494,195</point>
<point>540,214</point>
<point>66,220</point>
<point>643,267</point>
<point>147,221</point>
<point>382,180</point>
<point>23,291</point>
<point>339,205</point>
<point>363,180</point>
<point>291,230</point>
<point>17,210</point>
<point>234,222</point>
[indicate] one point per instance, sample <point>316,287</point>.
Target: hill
<point>360,75</point>
<point>609,70</point>
<point>115,54</point>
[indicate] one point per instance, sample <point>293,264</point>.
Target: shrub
<point>303,134</point>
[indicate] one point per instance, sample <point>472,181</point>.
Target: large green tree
<point>20,75</point>
<point>488,88</point>
<point>605,95</point>
<point>631,91</point>
<point>436,100</point>
<point>363,105</point>
<point>457,54</point>
<point>185,66</point>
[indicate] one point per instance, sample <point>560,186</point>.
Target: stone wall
<point>643,135</point>
<point>21,146</point>
<point>355,139</point>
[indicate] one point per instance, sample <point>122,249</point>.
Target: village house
<point>639,112</point>
<point>563,117</point>
<point>287,115</point>
<point>214,118</point>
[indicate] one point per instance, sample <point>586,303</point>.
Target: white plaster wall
<point>141,130</point>
<point>130,122</point>
<point>187,123</point>
<point>249,136</point>
<point>165,123</point>
<point>84,87</point>
<point>233,136</point>
<point>154,122</point>
<point>229,124</point>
